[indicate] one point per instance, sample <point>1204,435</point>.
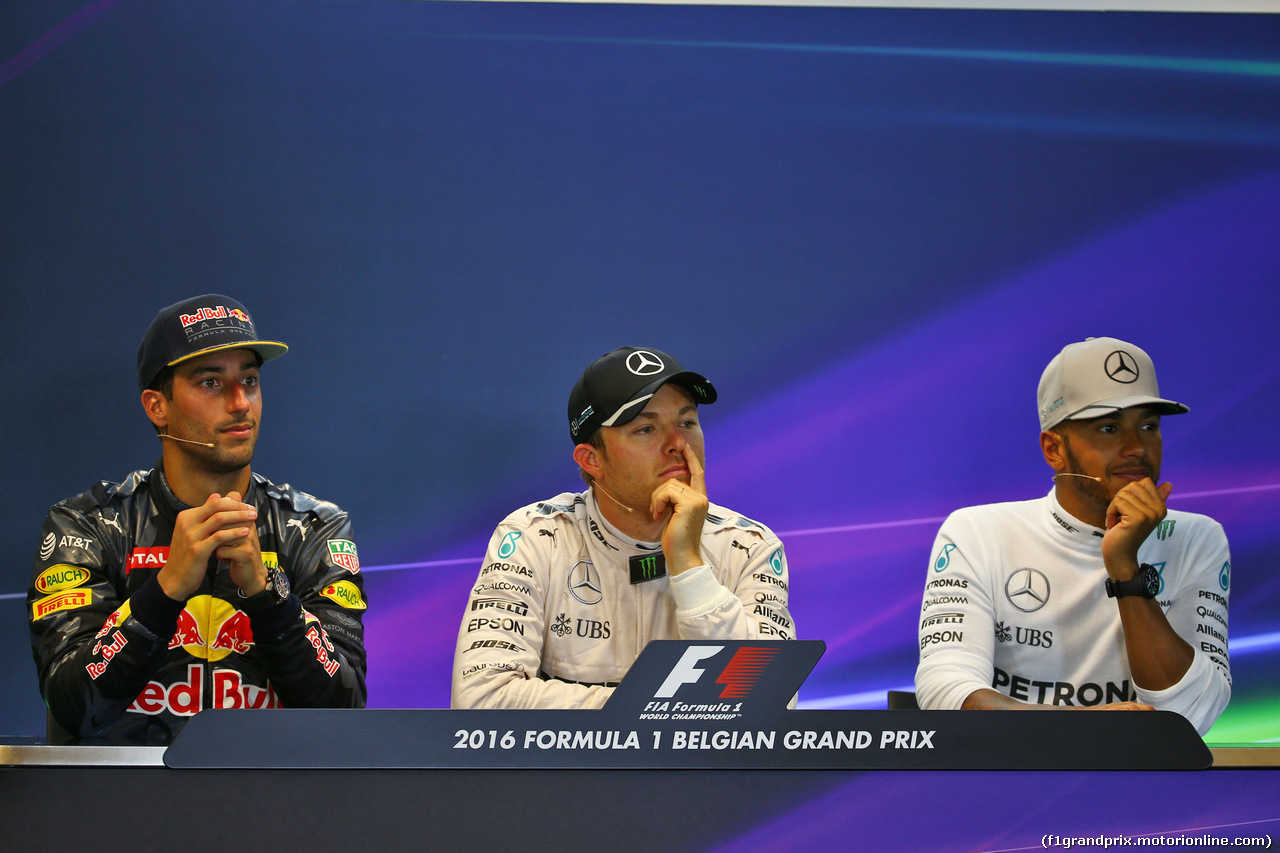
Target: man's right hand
<point>197,533</point>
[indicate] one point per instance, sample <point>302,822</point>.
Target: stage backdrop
<point>870,228</point>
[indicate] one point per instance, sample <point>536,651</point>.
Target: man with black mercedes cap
<point>1096,595</point>
<point>197,584</point>
<point>572,588</point>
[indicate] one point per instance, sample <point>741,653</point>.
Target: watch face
<point>1151,578</point>
<point>278,582</point>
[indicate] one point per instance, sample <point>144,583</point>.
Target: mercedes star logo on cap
<point>643,363</point>
<point>1121,367</point>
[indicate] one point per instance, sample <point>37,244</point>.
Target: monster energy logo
<point>647,567</point>
<point>1165,530</point>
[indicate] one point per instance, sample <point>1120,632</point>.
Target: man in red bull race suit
<point>197,584</point>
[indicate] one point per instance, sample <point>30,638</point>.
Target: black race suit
<point>121,663</point>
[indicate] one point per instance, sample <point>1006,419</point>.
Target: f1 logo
<point>685,672</point>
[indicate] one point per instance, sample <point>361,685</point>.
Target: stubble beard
<point>1088,489</point>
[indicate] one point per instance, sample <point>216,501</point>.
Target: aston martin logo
<point>1121,367</point>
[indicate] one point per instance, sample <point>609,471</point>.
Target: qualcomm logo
<point>508,546</point>
<point>1027,590</point>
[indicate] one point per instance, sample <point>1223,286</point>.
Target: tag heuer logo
<point>343,552</point>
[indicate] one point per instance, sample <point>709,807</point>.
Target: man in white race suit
<point>1096,595</point>
<point>572,588</point>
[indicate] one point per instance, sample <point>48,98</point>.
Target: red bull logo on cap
<point>212,312</point>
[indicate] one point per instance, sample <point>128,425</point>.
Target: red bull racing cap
<point>196,326</point>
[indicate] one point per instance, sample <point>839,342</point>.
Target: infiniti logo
<point>1121,367</point>
<point>1027,590</point>
<point>584,583</point>
<point>643,363</point>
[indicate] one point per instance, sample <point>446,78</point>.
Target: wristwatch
<point>276,592</point>
<point>1145,583</point>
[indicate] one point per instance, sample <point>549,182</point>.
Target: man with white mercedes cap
<point>1096,596</point>
<point>572,588</point>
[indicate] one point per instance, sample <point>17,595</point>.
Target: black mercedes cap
<point>615,388</point>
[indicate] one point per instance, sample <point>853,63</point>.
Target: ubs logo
<point>1027,590</point>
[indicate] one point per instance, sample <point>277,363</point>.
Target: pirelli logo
<point>68,600</point>
<point>500,604</point>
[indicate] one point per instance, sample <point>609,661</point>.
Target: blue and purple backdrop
<point>870,228</point>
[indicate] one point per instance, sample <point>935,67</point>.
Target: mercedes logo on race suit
<point>643,363</point>
<point>1121,367</point>
<point>1027,590</point>
<point>584,583</point>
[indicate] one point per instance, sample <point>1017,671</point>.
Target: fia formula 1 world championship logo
<point>739,676</point>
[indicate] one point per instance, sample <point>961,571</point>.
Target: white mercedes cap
<point>1096,377</point>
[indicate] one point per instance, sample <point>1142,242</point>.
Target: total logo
<point>739,676</point>
<point>210,628</point>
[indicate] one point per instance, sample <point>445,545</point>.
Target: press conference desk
<point>126,798</point>
<point>669,764</point>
